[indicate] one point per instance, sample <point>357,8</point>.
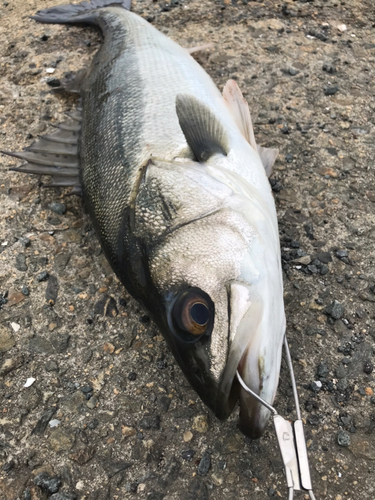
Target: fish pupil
<point>199,313</point>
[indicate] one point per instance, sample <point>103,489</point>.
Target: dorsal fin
<point>202,130</point>
<point>239,108</point>
<point>55,154</point>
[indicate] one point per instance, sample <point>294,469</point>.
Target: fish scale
<point>110,149</point>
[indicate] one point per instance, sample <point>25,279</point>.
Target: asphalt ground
<point>110,415</point>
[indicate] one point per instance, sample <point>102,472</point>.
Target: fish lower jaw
<point>253,416</point>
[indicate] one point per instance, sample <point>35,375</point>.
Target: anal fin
<point>55,154</point>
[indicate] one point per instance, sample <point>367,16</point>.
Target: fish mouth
<point>255,352</point>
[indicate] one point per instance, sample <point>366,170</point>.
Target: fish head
<point>216,270</point>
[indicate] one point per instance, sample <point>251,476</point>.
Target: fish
<point>177,189</point>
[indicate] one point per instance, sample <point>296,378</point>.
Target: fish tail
<point>84,12</point>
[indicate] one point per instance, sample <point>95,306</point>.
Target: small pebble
<point>54,423</point>
<point>368,367</point>
<point>316,385</point>
<point>323,370</point>
<point>25,242</point>
<point>150,422</point>
<point>50,484</point>
<point>29,382</point>
<point>313,420</point>
<point>62,495</point>
<point>43,276</point>
<point>330,90</point>
<point>188,436</point>
<point>92,402</point>
<point>26,494</point>
<point>53,82</point>
<point>86,389</point>
<point>324,270</point>
<point>57,207</point>
<point>21,262</point>
<point>342,253</point>
<point>200,424</point>
<point>343,438</point>
<point>54,221</point>
<point>15,327</point>
<point>188,455</point>
<point>204,464</point>
<point>52,366</point>
<point>342,385</point>
<point>289,158</point>
<point>108,347</point>
<point>329,68</point>
<point>335,310</point>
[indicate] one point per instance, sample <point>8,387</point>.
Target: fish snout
<point>257,337</point>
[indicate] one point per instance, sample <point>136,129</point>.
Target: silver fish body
<point>196,242</point>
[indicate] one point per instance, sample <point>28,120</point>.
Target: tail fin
<point>83,12</point>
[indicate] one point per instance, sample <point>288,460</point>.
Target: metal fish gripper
<point>291,439</point>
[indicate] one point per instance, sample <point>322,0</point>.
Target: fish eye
<point>193,314</point>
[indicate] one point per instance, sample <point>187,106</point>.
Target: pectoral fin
<point>239,108</point>
<point>203,131</point>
